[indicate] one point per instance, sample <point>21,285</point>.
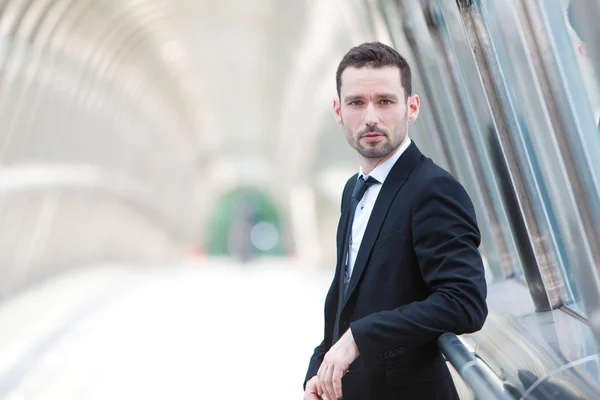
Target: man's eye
<point>356,103</point>
<point>386,102</point>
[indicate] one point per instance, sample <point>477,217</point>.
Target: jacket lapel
<point>394,181</point>
<point>341,232</point>
<point>343,224</point>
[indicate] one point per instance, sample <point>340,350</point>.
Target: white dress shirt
<point>365,206</point>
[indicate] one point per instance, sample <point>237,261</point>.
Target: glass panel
<point>582,42</point>
<point>530,102</point>
<point>451,130</point>
<point>481,128</point>
<point>424,128</point>
<point>574,95</point>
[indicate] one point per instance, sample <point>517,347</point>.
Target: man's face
<point>374,111</point>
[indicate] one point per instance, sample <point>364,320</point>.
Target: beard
<point>386,145</point>
<point>379,150</point>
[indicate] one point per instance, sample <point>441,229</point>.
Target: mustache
<point>372,129</point>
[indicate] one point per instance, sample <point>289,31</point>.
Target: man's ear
<point>414,104</point>
<point>337,110</point>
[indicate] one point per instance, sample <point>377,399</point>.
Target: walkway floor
<point>205,331</point>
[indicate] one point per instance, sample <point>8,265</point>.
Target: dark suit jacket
<point>418,274</point>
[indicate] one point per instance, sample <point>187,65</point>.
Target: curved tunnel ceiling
<point>166,104</point>
<point>259,78</point>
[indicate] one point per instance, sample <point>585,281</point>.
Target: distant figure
<point>240,245</point>
<point>408,266</point>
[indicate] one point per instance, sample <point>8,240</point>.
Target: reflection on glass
<point>581,46</point>
<point>576,96</point>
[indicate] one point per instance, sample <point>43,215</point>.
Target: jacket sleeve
<point>317,358</point>
<point>445,241</point>
<point>315,362</point>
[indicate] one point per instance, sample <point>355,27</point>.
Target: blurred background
<point>171,172</point>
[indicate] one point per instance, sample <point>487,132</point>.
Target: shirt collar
<point>382,170</point>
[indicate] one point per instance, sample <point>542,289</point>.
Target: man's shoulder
<point>434,177</point>
<point>353,178</point>
<point>348,187</point>
<point>350,182</point>
<point>430,171</point>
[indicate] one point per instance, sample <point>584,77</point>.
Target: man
<point>408,267</point>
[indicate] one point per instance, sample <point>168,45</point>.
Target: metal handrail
<point>482,383</point>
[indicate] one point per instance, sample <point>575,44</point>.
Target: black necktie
<point>360,188</point>
<point>357,194</point>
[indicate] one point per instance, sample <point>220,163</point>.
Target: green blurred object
<point>245,223</point>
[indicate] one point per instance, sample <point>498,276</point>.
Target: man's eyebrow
<point>352,98</point>
<point>391,96</point>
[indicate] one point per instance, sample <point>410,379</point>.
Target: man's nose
<point>371,118</point>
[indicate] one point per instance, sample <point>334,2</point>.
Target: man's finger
<point>321,378</point>
<point>325,394</point>
<point>338,373</point>
<point>317,386</point>
<point>329,383</point>
<point>311,396</point>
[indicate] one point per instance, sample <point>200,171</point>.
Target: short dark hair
<point>375,55</point>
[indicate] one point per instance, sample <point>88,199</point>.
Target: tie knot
<point>361,187</point>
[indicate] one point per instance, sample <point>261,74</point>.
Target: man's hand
<point>335,365</point>
<point>313,389</point>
